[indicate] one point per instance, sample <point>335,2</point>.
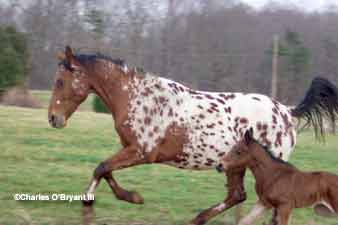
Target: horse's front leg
<point>236,195</point>
<point>127,157</point>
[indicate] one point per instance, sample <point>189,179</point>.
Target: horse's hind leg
<point>126,157</point>
<point>236,195</point>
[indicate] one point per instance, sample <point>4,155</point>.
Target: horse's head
<point>239,155</point>
<point>71,87</point>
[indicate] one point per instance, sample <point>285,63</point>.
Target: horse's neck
<point>113,91</point>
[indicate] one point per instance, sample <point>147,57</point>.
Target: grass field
<point>35,158</point>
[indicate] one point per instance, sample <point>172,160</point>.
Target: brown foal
<point>281,186</point>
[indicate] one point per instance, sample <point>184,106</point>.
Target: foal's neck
<point>264,168</point>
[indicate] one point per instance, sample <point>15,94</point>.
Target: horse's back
<point>272,122</point>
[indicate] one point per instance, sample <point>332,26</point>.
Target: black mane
<point>90,59</point>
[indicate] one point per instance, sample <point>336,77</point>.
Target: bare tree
<point>211,45</point>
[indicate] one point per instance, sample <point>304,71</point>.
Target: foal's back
<point>305,189</point>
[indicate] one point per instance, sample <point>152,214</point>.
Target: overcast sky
<point>308,5</point>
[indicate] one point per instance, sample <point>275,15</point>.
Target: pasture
<point>35,158</point>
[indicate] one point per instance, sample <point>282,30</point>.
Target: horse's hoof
<point>131,196</point>
<point>136,198</point>
<point>198,221</point>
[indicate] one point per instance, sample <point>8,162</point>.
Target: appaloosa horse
<point>162,121</point>
<point>281,186</point>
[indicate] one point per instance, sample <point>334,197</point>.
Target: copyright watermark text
<point>52,197</point>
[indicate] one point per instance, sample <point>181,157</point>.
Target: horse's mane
<point>268,151</point>
<point>90,59</point>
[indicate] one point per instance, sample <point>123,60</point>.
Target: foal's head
<point>239,155</point>
<point>75,78</point>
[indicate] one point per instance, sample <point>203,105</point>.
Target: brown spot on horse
<point>278,141</point>
<point>275,111</point>
<point>244,120</point>
<point>274,119</point>
<point>171,112</point>
<point>147,120</point>
<point>145,109</point>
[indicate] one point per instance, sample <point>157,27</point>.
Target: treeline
<point>13,58</point>
<point>211,45</point>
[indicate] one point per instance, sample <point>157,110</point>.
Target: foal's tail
<point>320,103</point>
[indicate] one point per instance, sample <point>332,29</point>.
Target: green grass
<point>44,97</point>
<point>35,158</point>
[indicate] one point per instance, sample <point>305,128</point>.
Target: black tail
<point>320,103</point>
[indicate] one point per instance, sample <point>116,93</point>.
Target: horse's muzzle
<point>57,121</point>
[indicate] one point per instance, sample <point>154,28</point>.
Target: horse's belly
<point>202,155</point>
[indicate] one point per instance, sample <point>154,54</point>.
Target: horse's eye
<point>59,83</point>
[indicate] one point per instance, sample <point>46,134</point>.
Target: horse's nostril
<point>52,120</point>
<point>56,121</point>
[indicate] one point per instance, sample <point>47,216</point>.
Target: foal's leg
<point>283,214</point>
<point>238,212</point>
<point>256,212</point>
<point>236,194</point>
<point>274,218</point>
<point>126,157</point>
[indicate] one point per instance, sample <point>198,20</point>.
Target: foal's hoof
<point>88,202</point>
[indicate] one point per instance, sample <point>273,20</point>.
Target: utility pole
<point>274,78</point>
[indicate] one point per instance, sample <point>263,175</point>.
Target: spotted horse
<point>161,121</point>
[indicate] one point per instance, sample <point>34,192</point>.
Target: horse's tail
<point>320,103</point>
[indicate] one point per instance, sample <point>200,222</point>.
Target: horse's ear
<point>248,136</point>
<point>61,56</point>
<point>69,53</point>
<point>70,57</point>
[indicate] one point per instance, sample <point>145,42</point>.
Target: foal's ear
<point>70,58</point>
<point>248,136</point>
